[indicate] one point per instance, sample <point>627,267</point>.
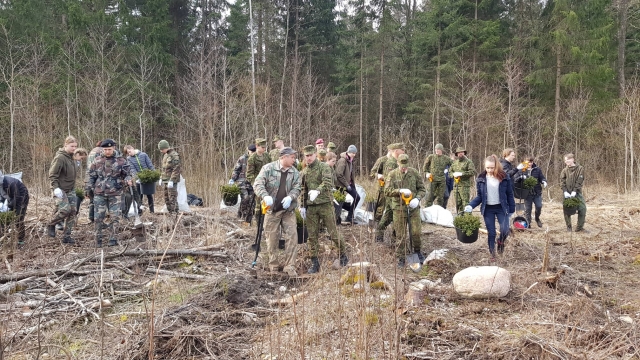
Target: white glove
<point>414,203</point>
<point>428,175</point>
<point>348,199</point>
<point>457,174</point>
<point>268,200</point>
<point>58,193</point>
<point>405,192</point>
<point>286,202</point>
<point>137,181</point>
<point>468,209</point>
<point>520,166</point>
<point>380,176</point>
<point>4,207</point>
<point>567,195</point>
<point>170,185</point>
<point>446,171</point>
<point>313,194</point>
<point>231,182</point>
<point>573,194</point>
<point>160,182</point>
<point>303,213</point>
<point>544,184</point>
<point>336,202</point>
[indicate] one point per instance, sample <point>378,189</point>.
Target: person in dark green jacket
<point>62,176</point>
<point>571,181</point>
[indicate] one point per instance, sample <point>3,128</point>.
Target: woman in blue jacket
<point>495,193</point>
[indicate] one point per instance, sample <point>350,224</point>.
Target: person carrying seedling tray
<point>405,182</point>
<point>533,180</point>
<point>571,181</point>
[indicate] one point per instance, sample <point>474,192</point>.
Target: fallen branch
<point>175,274</point>
<point>289,299</point>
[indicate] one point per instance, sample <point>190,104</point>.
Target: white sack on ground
<point>233,208</point>
<point>438,215</point>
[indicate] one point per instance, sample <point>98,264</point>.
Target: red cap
<point>319,141</point>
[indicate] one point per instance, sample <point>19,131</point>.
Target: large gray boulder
<point>480,282</point>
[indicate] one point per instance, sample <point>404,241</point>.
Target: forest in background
<point>544,77</point>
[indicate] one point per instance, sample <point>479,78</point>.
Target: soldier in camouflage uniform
<point>571,182</point>
<point>462,171</point>
<point>405,180</point>
<point>331,147</point>
<point>62,175</point>
<point>245,210</point>
<point>278,145</point>
<point>254,164</point>
<point>317,204</point>
<point>107,178</point>
<point>170,174</point>
<point>278,184</point>
<point>391,164</point>
<point>434,169</point>
<point>377,174</point>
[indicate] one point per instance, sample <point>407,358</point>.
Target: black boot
<point>51,230</point>
<point>68,240</point>
<point>538,222</point>
<point>500,247</point>
<point>420,257</point>
<point>344,260</point>
<point>315,266</point>
<point>98,241</point>
<point>151,208</point>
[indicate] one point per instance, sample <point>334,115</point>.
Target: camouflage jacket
<point>572,178</point>
<point>267,182</point>
<point>171,166</point>
<point>317,176</point>
<point>435,164</point>
<point>239,174</point>
<point>108,175</point>
<point>274,154</point>
<point>254,164</point>
<point>388,166</point>
<point>398,180</point>
<point>467,169</point>
<point>377,167</point>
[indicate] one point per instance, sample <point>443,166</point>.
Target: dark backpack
<point>194,200</point>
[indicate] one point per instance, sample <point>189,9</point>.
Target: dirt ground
<point>62,302</point>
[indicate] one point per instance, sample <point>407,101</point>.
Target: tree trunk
<point>253,69</point>
<point>361,99</point>
<point>380,103</point>
<point>622,35</point>
<point>555,145</point>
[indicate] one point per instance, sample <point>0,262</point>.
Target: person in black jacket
<point>535,194</point>
<point>15,196</point>
<point>508,157</point>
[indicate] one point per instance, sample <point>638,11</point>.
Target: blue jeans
<point>491,212</point>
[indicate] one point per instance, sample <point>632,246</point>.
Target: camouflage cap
<point>439,147</point>
<point>331,146</point>
<point>277,138</point>
<point>309,149</point>
<point>163,145</point>
<point>322,152</point>
<point>396,146</point>
<point>403,159</point>
<point>261,142</point>
<point>460,149</point>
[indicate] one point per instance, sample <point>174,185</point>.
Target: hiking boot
<point>59,226</point>
<point>500,247</point>
<point>113,242</point>
<point>420,257</point>
<point>539,223</point>
<point>68,240</point>
<point>344,260</point>
<point>290,270</point>
<point>51,230</point>
<point>569,228</point>
<point>98,241</point>
<point>315,266</point>
<point>583,230</point>
<point>401,263</point>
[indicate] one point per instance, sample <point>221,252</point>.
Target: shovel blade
<point>413,261</point>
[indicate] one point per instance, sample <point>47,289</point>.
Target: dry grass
<point>227,314</point>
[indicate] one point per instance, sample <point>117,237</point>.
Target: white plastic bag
<point>132,209</point>
<point>183,205</point>
<point>438,215</point>
<point>233,208</point>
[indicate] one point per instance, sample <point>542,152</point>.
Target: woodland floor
<point>207,304</point>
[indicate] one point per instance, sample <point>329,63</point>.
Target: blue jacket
<point>506,194</point>
<point>139,162</point>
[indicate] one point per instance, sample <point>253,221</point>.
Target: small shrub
<point>571,203</point>
<point>230,193</point>
<point>467,223</point>
<point>299,220</point>
<point>80,193</point>
<point>530,182</point>
<point>148,176</point>
<point>7,218</point>
<point>339,196</point>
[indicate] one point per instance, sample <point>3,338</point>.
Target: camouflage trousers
<point>582,214</point>
<point>436,192</point>
<point>462,197</point>
<point>387,218</point>
<point>400,226</point>
<point>326,213</point>
<point>112,204</point>
<point>380,205</point>
<point>272,224</point>
<point>171,198</point>
<point>65,211</point>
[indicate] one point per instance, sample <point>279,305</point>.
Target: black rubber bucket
<point>230,200</point>
<point>467,239</point>
<point>520,193</point>
<point>570,210</point>
<point>148,188</point>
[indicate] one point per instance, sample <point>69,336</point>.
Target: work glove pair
<point>567,195</point>
<point>169,184</point>
<point>457,174</point>
<point>57,192</point>
<point>468,209</point>
<point>520,166</point>
<point>427,175</point>
<point>286,202</point>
